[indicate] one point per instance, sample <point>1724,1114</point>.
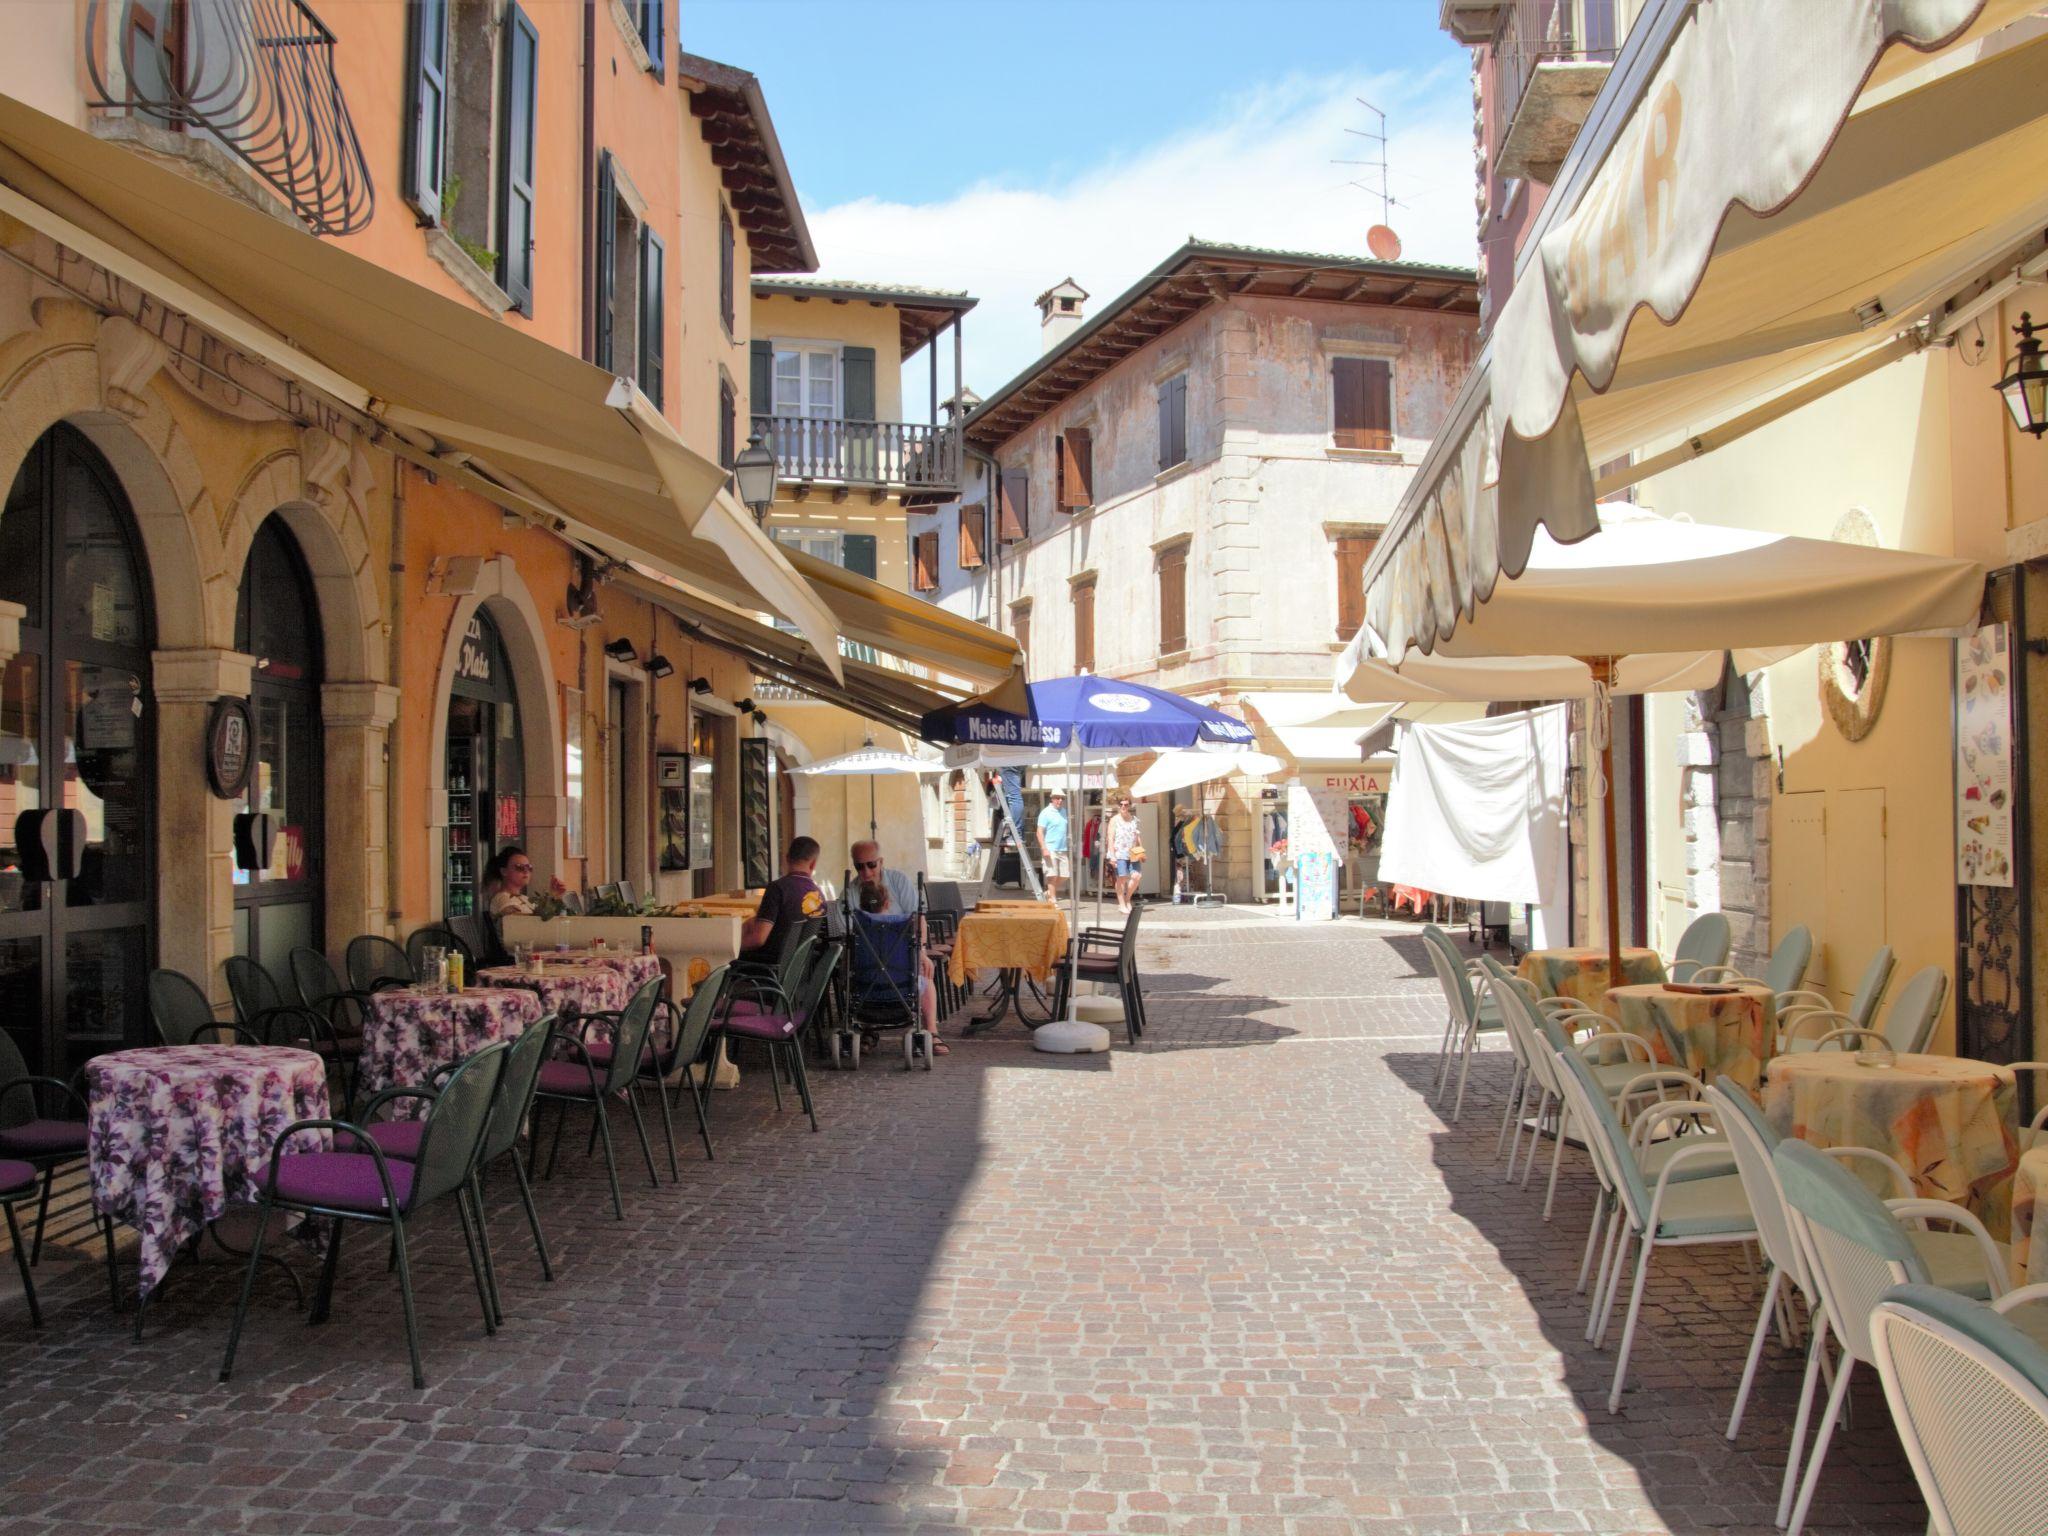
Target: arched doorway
<point>278,908</point>
<point>76,735</point>
<point>486,764</point>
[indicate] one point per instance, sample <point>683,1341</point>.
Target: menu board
<point>1984,783</point>
<point>757,800</point>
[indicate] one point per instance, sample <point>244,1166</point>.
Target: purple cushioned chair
<point>579,1079</point>
<point>17,1183</point>
<point>356,1182</point>
<point>781,1027</point>
<point>688,1030</point>
<point>43,1143</point>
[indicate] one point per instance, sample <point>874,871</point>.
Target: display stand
<point>1208,895</point>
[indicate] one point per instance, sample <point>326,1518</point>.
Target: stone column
<point>194,827</point>
<point>355,723</point>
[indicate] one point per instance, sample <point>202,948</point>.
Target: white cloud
<point>1259,173</point>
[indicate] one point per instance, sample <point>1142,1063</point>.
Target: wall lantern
<point>621,650</point>
<point>700,685</point>
<point>2026,387</point>
<point>745,706</point>
<point>659,665</point>
<point>754,469</point>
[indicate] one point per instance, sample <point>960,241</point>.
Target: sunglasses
<point>867,864</point>
<point>520,869</point>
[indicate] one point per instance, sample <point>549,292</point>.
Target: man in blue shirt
<point>1052,844</point>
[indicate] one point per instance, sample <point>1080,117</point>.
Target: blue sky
<point>999,147</point>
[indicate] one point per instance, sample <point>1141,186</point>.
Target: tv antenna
<point>1380,239</point>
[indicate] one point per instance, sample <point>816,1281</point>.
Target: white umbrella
<point>870,759</point>
<point>1179,769</point>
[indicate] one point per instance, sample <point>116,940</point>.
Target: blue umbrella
<point>1097,714</point>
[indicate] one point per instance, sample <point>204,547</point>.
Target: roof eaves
<point>743,83</point>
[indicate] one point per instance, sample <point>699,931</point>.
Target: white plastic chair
<point>1468,1015</point>
<point>1855,1250</point>
<point>1793,1006</point>
<point>1782,972</point>
<point>2031,1134</point>
<point>1498,978</point>
<point>1969,1394</point>
<point>1705,943</point>
<point>1908,1026</point>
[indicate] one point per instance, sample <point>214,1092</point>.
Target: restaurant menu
<point>1984,785</point>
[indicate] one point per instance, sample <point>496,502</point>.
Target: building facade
<point>1184,488</point>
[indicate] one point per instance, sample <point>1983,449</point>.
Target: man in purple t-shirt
<point>789,903</point>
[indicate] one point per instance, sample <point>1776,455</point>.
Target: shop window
<point>1362,402</point>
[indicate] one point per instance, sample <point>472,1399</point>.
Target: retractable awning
<point>1793,193</point>
<point>432,379</point>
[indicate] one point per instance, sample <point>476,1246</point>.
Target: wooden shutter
<point>924,561</point>
<point>1077,469</point>
<point>728,281</point>
<point>728,424</point>
<point>1362,402</point>
<point>426,123</point>
<point>653,311</point>
<point>857,554</point>
<point>654,34</point>
<point>1353,551</point>
<point>761,377</point>
<point>1173,421</point>
<point>516,160</point>
<point>1173,599</point>
<point>606,263</point>
<point>857,383</point>
<point>1084,627</point>
<point>1013,520</point>
<point>973,537</point>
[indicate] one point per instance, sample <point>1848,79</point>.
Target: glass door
<point>76,749</point>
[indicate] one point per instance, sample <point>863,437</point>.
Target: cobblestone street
<point>1243,1279</point>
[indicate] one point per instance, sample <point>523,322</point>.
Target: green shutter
<point>761,381</point>
<point>857,553</point>
<point>607,255</point>
<point>857,379</point>
<point>426,123</point>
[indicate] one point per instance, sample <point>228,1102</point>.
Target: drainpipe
<point>589,176</point>
<point>394,738</point>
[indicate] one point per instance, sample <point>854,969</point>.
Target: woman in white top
<point>1123,843</point>
<point>506,879</point>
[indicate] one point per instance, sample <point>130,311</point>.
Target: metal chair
<point>1794,1006</point>
<point>438,936</point>
<point>1703,946</point>
<point>36,1133</point>
<point>1907,1027</point>
<point>1118,969</point>
<point>582,1081</point>
<point>263,1009</point>
<point>1782,972</point>
<point>777,1016</point>
<point>362,1184</point>
<point>181,1013</point>
<point>375,962</point>
<point>17,1183</point>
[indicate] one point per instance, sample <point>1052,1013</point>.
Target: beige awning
<point>1886,182</point>
<point>523,421</point>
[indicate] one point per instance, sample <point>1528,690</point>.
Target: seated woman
<point>506,879</point>
<point>877,901</point>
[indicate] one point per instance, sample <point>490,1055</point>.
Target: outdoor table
<point>1581,974</point>
<point>565,988</point>
<point>409,1033</point>
<point>2029,1236</point>
<point>1947,1120</point>
<point>1704,1033</point>
<point>1023,939</point>
<point>638,969</point>
<point>180,1133</point>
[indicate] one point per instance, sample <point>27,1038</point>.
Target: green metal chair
<point>38,1129</point>
<point>375,962</point>
<point>358,1183</point>
<point>580,1080</point>
<point>181,1014</point>
<point>264,1010</point>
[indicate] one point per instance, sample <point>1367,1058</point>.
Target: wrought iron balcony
<point>254,77</point>
<point>882,455</point>
<point>1550,59</point>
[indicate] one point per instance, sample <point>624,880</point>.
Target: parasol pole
<point>1602,722</point>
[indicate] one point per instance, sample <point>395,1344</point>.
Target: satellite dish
<point>1383,243</point>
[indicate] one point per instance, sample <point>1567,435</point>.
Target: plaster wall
<point>846,322</point>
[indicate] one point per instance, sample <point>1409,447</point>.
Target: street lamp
<point>2026,387</point>
<point>754,469</point>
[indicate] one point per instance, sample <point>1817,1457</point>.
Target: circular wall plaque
<point>230,747</point>
<point>1855,673</point>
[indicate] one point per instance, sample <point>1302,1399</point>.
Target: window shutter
<point>654,34</point>
<point>857,553</point>
<point>857,383</point>
<point>728,277</point>
<point>606,261</point>
<point>1173,421</point>
<point>516,160</point>
<point>1084,627</point>
<point>1362,407</point>
<point>1353,553</point>
<point>1013,513</point>
<point>1173,599</point>
<point>761,377</point>
<point>973,537</point>
<point>1379,403</point>
<point>426,127</point>
<point>653,323</point>
<point>728,424</point>
<point>1077,466</point>
<point>924,559</point>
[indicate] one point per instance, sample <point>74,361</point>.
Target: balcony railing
<point>1536,33</point>
<point>255,77</point>
<point>908,455</point>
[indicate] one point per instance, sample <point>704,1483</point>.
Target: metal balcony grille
<point>1536,32</point>
<point>255,77</point>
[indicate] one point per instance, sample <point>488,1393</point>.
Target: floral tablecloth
<point>638,969</point>
<point>565,988</point>
<point>1948,1121</point>
<point>1705,1034</point>
<point>2030,1218</point>
<point>180,1133</point>
<point>1581,974</point>
<point>408,1033</point>
<point>1032,939</point>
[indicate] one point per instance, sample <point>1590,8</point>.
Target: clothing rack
<point>1208,895</point>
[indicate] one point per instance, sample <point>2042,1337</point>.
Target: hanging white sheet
<point>1478,810</point>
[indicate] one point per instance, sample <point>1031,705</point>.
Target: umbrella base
<point>1070,1037</point>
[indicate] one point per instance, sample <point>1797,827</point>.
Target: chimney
<point>1059,313</point>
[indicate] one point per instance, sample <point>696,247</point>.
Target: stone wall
<point>1726,779</point>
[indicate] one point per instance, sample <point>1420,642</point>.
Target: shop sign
<point>230,744</point>
<point>1370,782</point>
<point>473,659</point>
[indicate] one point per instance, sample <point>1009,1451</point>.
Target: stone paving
<point>1245,1279</point>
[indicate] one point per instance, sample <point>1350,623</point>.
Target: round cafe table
<point>408,1033</point>
<point>1704,1033</point>
<point>1948,1121</point>
<point>180,1133</point>
<point>565,988</point>
<point>2030,1218</point>
<point>638,969</point>
<point>1581,973</point>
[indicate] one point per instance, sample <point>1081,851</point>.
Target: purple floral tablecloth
<point>180,1133</point>
<point>408,1034</point>
<point>564,988</point>
<point>637,969</point>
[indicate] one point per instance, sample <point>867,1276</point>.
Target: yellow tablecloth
<point>1948,1121</point>
<point>1582,973</point>
<point>2029,1235</point>
<point>1030,938</point>
<point>1731,1032</point>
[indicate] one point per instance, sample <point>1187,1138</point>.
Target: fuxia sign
<point>1372,782</point>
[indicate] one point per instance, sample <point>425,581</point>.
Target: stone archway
<point>502,594</point>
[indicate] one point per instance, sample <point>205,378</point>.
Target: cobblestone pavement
<point>1245,1279</point>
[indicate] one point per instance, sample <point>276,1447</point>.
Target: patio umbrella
<point>870,759</point>
<point>1075,720</point>
<point>1651,603</point>
<point>1179,769</point>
